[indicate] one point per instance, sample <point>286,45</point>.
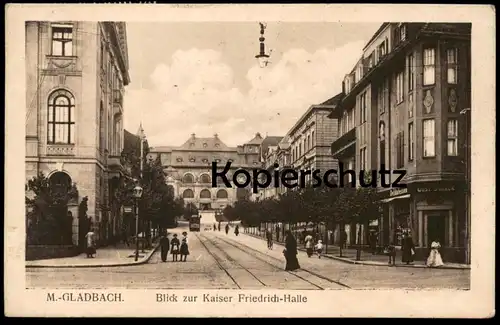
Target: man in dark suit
<point>165,246</point>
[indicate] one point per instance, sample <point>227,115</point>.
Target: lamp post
<point>137,196</point>
<point>262,57</point>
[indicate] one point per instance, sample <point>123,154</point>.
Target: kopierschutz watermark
<point>291,178</point>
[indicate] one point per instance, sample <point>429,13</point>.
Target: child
<point>174,243</point>
<point>319,248</point>
<point>184,247</point>
<point>390,251</point>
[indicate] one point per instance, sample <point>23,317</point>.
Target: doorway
<point>436,228</point>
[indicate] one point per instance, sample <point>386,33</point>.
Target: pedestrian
<point>390,250</point>
<point>269,238</point>
<point>165,246</point>
<point>175,247</point>
<point>218,227</point>
<point>343,239</point>
<point>227,228</point>
<point>277,233</point>
<point>237,230</point>
<point>407,248</point>
<point>184,250</point>
<point>434,259</point>
<point>373,242</point>
<point>91,245</point>
<point>309,245</point>
<point>290,252</point>
<point>125,237</point>
<point>319,248</point>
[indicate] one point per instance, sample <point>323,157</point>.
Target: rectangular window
<point>312,139</point>
<point>429,66</point>
<point>383,97</point>
<point>362,160</point>
<point>429,138</point>
<point>402,32</point>
<point>400,150</point>
<point>411,142</point>
<point>452,137</point>
<point>411,72</point>
<point>362,106</point>
<point>452,65</point>
<point>62,40</point>
<point>381,50</point>
<point>382,152</point>
<point>399,87</point>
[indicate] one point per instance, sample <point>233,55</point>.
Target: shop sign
<point>437,189</point>
<point>398,192</point>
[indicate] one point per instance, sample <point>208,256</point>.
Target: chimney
<point>216,135</point>
<point>193,136</point>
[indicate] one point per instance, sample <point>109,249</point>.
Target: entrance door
<point>436,228</point>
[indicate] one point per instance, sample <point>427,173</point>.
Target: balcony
<point>345,144</point>
<point>115,165</point>
<point>60,150</point>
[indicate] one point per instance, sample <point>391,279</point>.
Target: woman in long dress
<point>184,250</point>
<point>290,252</point>
<point>91,246</point>
<point>434,259</point>
<point>175,247</point>
<point>309,245</point>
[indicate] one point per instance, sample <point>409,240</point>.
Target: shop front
<point>397,216</point>
<point>440,216</point>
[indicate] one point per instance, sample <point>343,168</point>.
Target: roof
<point>257,139</point>
<point>270,141</point>
<point>379,30</point>
<point>131,141</point>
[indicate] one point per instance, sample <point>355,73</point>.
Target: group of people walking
<point>175,246</point>
<point>236,229</point>
<point>408,251</point>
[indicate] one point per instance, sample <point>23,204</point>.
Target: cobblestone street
<point>220,261</point>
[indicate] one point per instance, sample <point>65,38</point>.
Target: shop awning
<point>406,196</point>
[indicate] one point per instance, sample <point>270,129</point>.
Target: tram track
<point>203,240</point>
<point>246,249</point>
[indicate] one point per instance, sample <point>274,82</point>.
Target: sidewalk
<point>349,256</point>
<point>119,255</point>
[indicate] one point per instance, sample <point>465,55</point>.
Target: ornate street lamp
<point>262,57</point>
<point>137,195</point>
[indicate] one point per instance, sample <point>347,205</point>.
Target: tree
<point>229,213</point>
<point>190,209</point>
<point>48,222</point>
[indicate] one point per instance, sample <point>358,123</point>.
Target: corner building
<point>401,109</point>
<point>76,73</point>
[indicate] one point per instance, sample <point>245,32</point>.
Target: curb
<point>350,261</point>
<point>143,261</point>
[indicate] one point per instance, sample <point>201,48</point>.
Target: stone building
<point>189,169</point>
<point>76,73</point>
<point>401,109</point>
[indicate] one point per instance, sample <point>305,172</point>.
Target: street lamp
<point>466,112</point>
<point>262,57</point>
<point>137,195</point>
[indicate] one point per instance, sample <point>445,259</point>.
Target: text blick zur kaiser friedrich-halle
<point>288,175</point>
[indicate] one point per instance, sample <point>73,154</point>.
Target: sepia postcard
<point>250,160</point>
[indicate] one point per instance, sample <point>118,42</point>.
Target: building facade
<point>76,74</point>
<point>189,170</point>
<point>401,110</point>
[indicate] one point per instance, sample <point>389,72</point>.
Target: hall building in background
<point>76,73</point>
<point>189,170</point>
<point>401,109</point>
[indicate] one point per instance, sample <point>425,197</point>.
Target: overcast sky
<point>203,78</point>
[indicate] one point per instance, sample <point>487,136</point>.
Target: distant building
<point>189,169</point>
<point>270,155</point>
<point>76,73</point>
<point>401,109</point>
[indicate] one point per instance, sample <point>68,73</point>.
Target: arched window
<point>188,178</point>
<point>61,119</point>
<point>205,179</point>
<point>188,194</point>
<point>60,183</point>
<point>382,131</point>
<point>205,194</point>
<point>222,194</point>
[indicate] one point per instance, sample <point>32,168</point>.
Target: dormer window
<point>191,145</point>
<point>230,160</point>
<point>192,159</point>
<point>402,32</point>
<point>179,159</point>
<point>217,160</point>
<point>255,162</point>
<point>205,160</point>
<point>205,145</point>
<point>217,145</point>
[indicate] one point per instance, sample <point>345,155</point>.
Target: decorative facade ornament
<point>62,79</point>
<point>428,101</point>
<point>452,100</point>
<point>59,166</point>
<point>410,105</point>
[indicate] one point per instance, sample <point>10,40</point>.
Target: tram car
<point>194,223</point>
